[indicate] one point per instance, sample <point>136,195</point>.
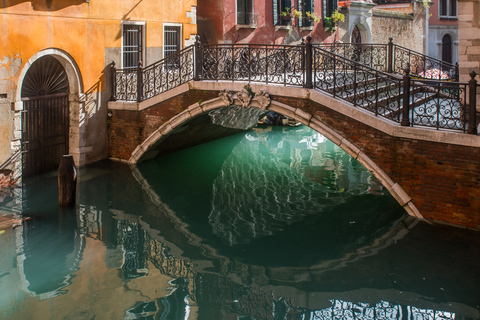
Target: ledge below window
<point>246,26</point>
<point>282,28</point>
<point>448,18</point>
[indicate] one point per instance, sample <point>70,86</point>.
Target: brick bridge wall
<point>442,179</point>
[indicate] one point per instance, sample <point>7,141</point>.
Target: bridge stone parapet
<point>434,174</point>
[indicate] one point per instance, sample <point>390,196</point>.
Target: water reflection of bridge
<point>125,242</point>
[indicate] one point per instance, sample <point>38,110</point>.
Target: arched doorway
<point>356,35</point>
<point>45,116</point>
<point>447,48</point>
<point>356,40</point>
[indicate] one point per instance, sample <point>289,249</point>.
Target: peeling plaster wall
<point>9,69</point>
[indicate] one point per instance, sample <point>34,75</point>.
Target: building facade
<point>56,58</point>
<point>263,21</point>
<point>272,22</point>
<point>443,31</point>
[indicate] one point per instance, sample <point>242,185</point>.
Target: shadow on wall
<point>93,118</point>
<point>47,5</point>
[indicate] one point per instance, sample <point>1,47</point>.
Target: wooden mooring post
<point>67,181</point>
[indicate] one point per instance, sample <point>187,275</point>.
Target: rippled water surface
<point>275,223</point>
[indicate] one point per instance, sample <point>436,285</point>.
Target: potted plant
<point>330,23</point>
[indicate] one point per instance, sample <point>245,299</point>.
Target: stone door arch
<point>49,87</point>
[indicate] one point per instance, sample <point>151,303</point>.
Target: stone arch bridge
<point>431,167</point>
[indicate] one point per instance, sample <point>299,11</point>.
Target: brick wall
<point>442,179</point>
<point>128,129</point>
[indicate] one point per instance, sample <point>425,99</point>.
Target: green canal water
<point>274,223</point>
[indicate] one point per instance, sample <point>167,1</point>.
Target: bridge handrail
<point>359,84</point>
<point>143,83</point>
<point>320,67</point>
<point>419,62</point>
<point>280,64</point>
<point>394,58</point>
<point>374,55</point>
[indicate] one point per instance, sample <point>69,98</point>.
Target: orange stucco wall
<point>83,29</point>
<point>91,34</point>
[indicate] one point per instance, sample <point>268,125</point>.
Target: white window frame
<point>138,23</point>
<point>448,15</point>
<point>182,40</point>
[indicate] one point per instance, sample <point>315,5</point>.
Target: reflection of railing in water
<point>242,299</point>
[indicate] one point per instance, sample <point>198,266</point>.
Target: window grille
<point>171,40</point>
<point>132,45</point>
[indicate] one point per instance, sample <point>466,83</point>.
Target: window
<point>171,36</point>
<point>132,45</point>
<point>278,7</point>
<point>172,43</point>
<point>245,12</point>
<point>448,8</point>
<point>447,48</point>
<point>329,7</point>
<point>305,6</point>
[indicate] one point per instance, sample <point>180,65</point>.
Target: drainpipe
<point>427,17</point>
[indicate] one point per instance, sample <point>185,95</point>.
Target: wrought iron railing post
<point>198,59</point>
<point>472,104</point>
<point>457,73</point>
<point>406,97</point>
<point>139,82</point>
<point>308,63</point>
<point>390,55</point>
<point>114,81</point>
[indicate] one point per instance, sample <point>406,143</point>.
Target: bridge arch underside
<point>429,179</point>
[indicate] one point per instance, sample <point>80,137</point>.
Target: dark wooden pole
<point>67,181</point>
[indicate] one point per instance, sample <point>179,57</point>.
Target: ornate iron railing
<point>422,65</point>
<point>144,83</point>
<point>365,75</point>
<point>438,104</point>
<point>254,63</point>
<point>372,55</point>
<point>393,58</point>
<point>364,87</point>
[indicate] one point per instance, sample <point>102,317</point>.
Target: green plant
<point>298,14</point>
<point>337,16</point>
<point>285,13</point>
<point>331,22</point>
<point>249,90</point>
<point>425,3</point>
<point>312,16</point>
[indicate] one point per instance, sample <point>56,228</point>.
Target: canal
<point>273,223</point>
